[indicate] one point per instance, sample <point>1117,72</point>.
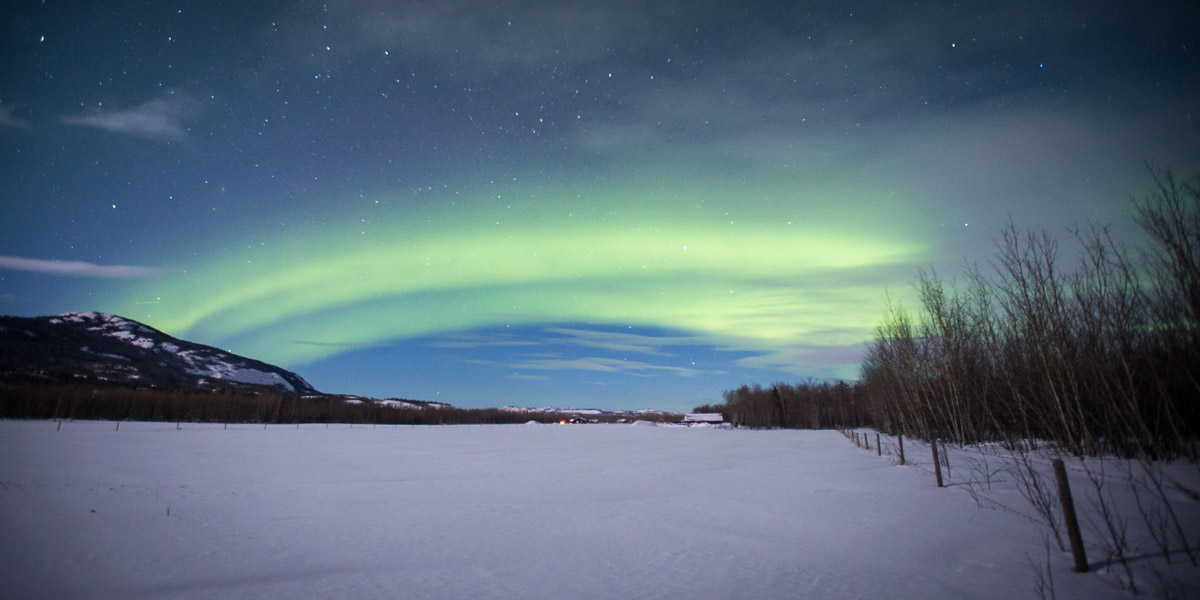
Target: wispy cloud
<point>343,345</point>
<point>75,268</point>
<point>159,119</point>
<point>840,360</point>
<point>466,341</point>
<point>601,365</point>
<point>7,119</point>
<point>623,342</point>
<point>528,377</point>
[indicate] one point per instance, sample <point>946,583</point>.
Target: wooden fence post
<point>937,464</point>
<point>1068,508</point>
<point>900,438</point>
<point>878,446</point>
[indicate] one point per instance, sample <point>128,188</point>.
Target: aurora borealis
<point>618,205</point>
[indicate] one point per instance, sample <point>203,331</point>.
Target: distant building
<point>709,418</point>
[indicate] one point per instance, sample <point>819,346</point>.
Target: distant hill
<point>600,414</point>
<point>97,347</point>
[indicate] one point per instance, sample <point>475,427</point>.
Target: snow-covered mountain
<point>99,347</point>
<point>598,412</point>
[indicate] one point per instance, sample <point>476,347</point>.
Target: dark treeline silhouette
<point>1095,354</point>
<point>808,405</point>
<point>1100,356</point>
<point>35,401</point>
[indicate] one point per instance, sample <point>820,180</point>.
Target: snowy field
<point>533,511</point>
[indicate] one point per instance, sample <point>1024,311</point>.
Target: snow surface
<point>403,404</point>
<point>215,367</point>
<point>584,511</point>
<point>130,337</point>
<point>232,373</point>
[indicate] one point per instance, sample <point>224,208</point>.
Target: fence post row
<point>937,464</point>
<point>1068,508</point>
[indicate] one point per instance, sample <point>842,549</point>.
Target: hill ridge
<point>104,347</point>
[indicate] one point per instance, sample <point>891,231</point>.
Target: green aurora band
<point>753,281</point>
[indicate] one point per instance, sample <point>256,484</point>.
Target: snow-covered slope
<point>505,513</point>
<point>96,346</point>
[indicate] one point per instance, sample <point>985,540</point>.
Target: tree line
<point>35,401</point>
<point>1100,354</point>
<point>811,404</point>
<point>1093,345</point>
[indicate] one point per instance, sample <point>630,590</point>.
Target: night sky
<point>580,204</point>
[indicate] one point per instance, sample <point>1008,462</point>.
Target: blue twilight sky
<point>608,204</point>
